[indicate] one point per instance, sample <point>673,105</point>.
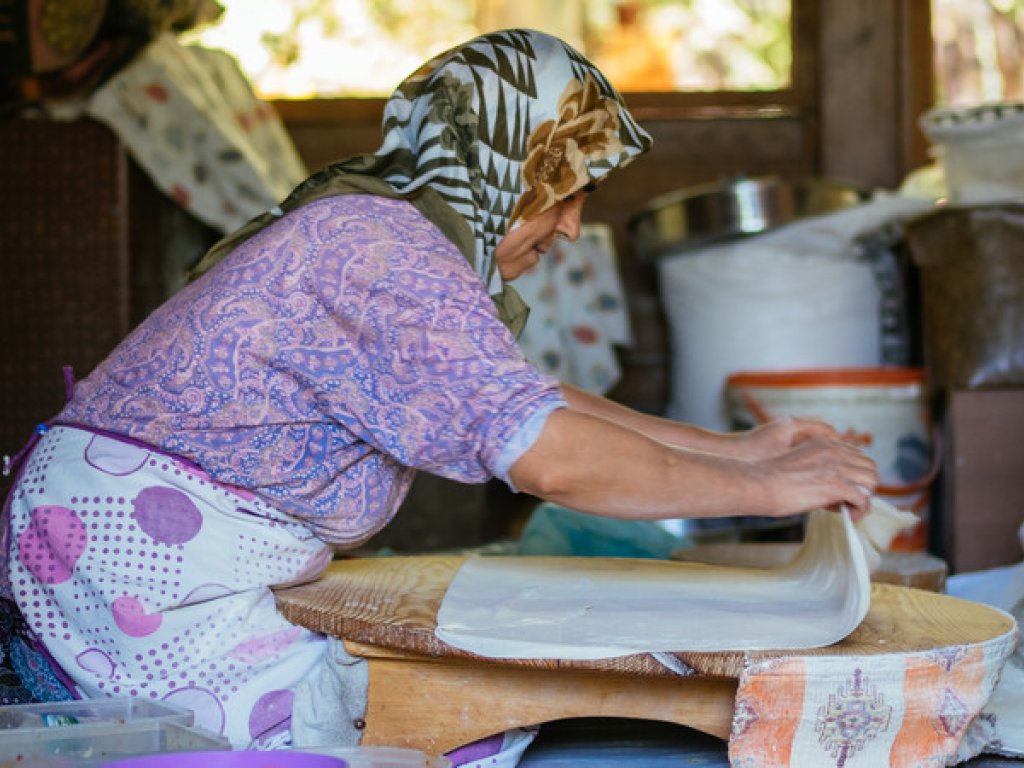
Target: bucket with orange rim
<point>883,410</point>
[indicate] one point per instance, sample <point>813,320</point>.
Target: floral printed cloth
<point>190,119</point>
<point>577,312</point>
<point>322,362</point>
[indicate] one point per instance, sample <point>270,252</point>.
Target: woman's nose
<point>570,221</point>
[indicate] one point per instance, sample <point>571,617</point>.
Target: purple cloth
<point>478,750</point>
<point>322,362</point>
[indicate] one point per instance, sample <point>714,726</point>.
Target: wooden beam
<point>876,79</point>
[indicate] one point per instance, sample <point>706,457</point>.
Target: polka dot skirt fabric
<point>142,577</point>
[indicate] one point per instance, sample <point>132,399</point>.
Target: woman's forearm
<point>599,466</point>
<point>655,427</point>
<point>765,441</point>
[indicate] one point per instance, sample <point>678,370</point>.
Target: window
<point>344,48</point>
<point>979,51</point>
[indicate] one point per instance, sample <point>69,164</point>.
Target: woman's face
<point>523,246</point>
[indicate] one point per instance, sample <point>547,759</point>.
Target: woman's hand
<point>768,440</point>
<point>820,471</point>
<point>777,437</point>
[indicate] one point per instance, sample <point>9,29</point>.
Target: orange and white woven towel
<point>897,710</point>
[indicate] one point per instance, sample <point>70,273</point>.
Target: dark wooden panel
<point>326,130</point>
<point>83,240</point>
<point>876,78</point>
<point>64,259</point>
<point>985,495</point>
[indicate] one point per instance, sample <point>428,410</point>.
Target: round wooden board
<point>392,603</point>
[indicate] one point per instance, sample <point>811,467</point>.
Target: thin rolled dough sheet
<point>595,608</point>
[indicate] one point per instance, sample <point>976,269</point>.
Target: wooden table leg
<point>438,705</point>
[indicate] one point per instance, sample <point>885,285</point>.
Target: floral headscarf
<point>500,128</point>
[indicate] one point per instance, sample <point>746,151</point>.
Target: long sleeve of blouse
<point>324,361</point>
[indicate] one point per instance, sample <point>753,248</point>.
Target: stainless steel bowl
<point>695,217</point>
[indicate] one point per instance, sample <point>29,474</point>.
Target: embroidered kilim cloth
<point>898,710</point>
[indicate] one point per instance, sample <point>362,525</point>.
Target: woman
<point>279,405</point>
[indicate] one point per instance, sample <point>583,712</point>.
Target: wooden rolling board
<point>392,602</point>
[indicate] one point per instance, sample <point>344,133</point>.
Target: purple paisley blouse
<point>322,363</point>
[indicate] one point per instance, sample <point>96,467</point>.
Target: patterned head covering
<point>499,128</point>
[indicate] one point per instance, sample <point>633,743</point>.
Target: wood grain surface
<point>392,603</point>
<point>436,705</point>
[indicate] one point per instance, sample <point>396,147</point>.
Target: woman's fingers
<point>805,429</point>
<point>820,472</point>
<point>860,504</point>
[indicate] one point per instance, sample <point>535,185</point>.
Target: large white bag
<point>796,297</point>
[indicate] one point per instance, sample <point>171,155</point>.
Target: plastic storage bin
<point>85,746</point>
<point>42,718</point>
<point>243,759</point>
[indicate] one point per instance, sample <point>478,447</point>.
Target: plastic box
<point>94,745</point>
<point>41,719</point>
<point>241,759</point>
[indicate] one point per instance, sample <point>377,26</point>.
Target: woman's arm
<point>611,468</point>
<point>762,442</point>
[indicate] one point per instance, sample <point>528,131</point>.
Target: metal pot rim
<point>705,214</point>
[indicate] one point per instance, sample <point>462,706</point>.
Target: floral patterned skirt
<point>27,675</point>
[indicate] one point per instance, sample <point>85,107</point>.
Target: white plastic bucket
<point>883,410</point>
